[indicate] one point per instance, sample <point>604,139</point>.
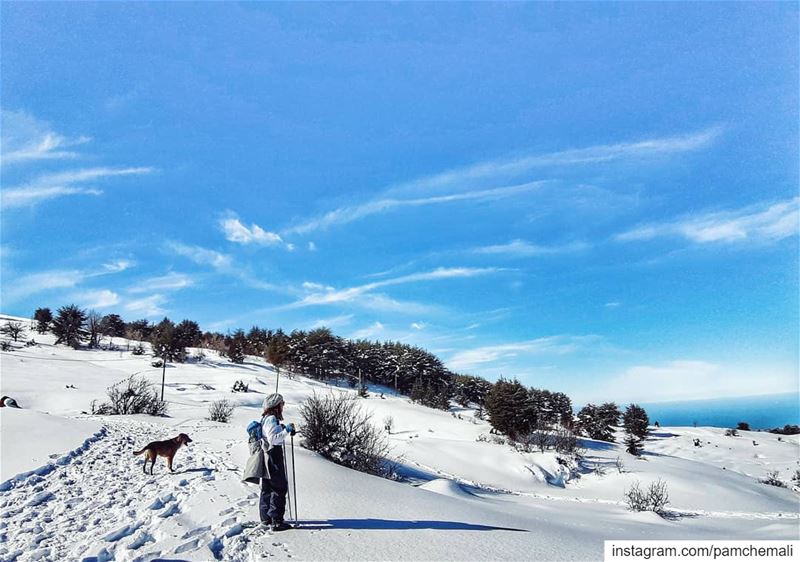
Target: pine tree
<point>635,421</point>
<point>633,444</point>
<point>236,346</point>
<point>69,326</point>
<point>43,318</point>
<point>508,406</point>
<point>166,343</point>
<point>113,326</point>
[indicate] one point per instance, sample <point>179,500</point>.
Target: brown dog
<point>166,448</point>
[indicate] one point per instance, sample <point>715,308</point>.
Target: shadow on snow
<point>395,525</point>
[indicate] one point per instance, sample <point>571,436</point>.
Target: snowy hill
<point>71,489</point>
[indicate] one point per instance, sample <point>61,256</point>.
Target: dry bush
<point>220,411</point>
<point>134,395</point>
<point>773,479</point>
<point>338,428</point>
<point>655,498</point>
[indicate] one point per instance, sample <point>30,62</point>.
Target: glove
<point>290,428</point>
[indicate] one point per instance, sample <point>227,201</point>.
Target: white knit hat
<point>272,401</point>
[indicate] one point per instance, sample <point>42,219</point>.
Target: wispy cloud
<point>344,215</point>
<point>169,282</point>
<point>100,299</point>
<point>200,255</point>
<point>522,248</point>
<point>147,306</point>
<point>360,292</point>
<point>691,379</point>
<point>333,322</point>
<point>553,345</point>
<point>51,186</point>
<point>765,222</point>
<point>370,332</point>
<point>25,138</point>
<point>499,168</point>
<point>118,266</point>
<point>237,232</point>
<point>16,289</point>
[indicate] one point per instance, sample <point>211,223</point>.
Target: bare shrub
<point>620,465</point>
<point>220,411</point>
<point>774,479</point>
<point>134,395</point>
<point>338,428</point>
<point>655,498</point>
<point>388,424</point>
<point>138,350</point>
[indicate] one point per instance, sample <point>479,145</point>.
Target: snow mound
<point>447,488</point>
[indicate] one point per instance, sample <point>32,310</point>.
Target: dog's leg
<point>169,463</point>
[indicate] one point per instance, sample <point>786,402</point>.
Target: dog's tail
<point>136,453</point>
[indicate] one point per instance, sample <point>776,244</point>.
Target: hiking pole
<point>289,495</point>
<point>294,484</point>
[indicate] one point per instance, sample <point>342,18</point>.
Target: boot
<point>280,526</point>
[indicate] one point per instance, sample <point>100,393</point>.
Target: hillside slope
<point>461,499</point>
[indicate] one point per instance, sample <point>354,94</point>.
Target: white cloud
<point>613,304</point>
<point>351,294</point>
<point>755,223</point>
<point>237,232</point>
<point>147,306</point>
<point>118,266</point>
<point>552,345</point>
<point>51,186</point>
<point>39,282</point>
<point>312,247</point>
<point>370,332</point>
<point>345,215</point>
<point>418,325</point>
<point>521,248</point>
<point>169,282</point>
<point>690,379</point>
<point>25,138</point>
<point>201,256</point>
<point>334,322</point>
<point>493,169</point>
<point>102,298</point>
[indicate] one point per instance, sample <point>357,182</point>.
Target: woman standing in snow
<point>272,504</point>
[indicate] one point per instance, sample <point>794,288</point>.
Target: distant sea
<point>761,412</point>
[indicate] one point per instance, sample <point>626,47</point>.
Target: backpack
<point>254,430</point>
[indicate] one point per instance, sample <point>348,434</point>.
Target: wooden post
<point>163,373</point>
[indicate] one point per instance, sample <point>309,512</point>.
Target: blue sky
<point>597,199</point>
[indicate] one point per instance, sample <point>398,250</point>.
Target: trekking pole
<point>289,495</point>
<point>294,484</point>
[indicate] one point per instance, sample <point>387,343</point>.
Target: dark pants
<point>272,504</point>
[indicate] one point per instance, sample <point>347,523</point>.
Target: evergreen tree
<point>278,353</point>
<point>635,421</point>
<point>69,326</point>
<point>188,334</point>
<point>593,421</point>
<point>166,343</point>
<point>507,404</point>
<point>43,318</point>
<point>633,444</point>
<point>139,330</point>
<point>236,346</point>
<point>113,326</point>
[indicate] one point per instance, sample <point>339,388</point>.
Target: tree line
<point>513,409</point>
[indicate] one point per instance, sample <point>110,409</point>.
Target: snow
<point>72,490</point>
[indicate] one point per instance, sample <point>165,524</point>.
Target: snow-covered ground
<point>71,489</point>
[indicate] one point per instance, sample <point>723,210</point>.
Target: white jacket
<point>273,431</point>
